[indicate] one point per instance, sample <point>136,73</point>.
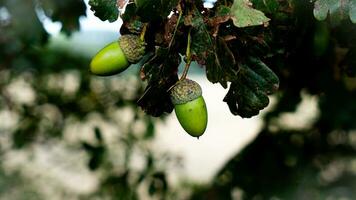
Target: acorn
<point>190,107</point>
<point>118,55</point>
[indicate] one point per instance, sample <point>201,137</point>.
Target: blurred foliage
<point>70,18</point>
<point>317,162</point>
<point>337,10</point>
<point>59,92</point>
<point>13,186</point>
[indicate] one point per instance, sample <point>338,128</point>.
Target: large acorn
<point>190,107</point>
<point>117,56</point>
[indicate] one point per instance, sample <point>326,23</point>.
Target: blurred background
<point>65,134</point>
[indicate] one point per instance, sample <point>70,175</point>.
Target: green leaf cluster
<point>233,41</point>
<point>210,47</point>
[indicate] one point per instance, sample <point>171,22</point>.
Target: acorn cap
<point>133,47</point>
<point>184,91</point>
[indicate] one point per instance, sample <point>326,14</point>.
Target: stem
<point>176,28</point>
<point>188,57</point>
<point>143,32</point>
<point>185,72</point>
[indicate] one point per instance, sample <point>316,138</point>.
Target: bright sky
<point>209,3</point>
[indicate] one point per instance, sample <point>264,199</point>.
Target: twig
<point>176,27</point>
<point>143,32</point>
<point>188,57</point>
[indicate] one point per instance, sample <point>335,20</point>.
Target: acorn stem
<point>143,32</point>
<point>188,57</point>
<point>176,27</point>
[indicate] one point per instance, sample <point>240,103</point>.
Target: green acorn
<point>190,107</point>
<point>117,56</point>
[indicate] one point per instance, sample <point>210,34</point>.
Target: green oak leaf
<point>337,9</point>
<point>248,92</point>
<point>105,9</point>
<point>244,15</point>
<point>211,52</point>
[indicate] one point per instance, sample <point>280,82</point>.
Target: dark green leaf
<point>154,9</point>
<point>267,6</point>
<point>105,9</point>
<point>161,73</point>
<point>248,92</point>
<point>214,53</point>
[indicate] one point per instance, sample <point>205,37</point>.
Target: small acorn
<point>190,107</point>
<point>117,56</point>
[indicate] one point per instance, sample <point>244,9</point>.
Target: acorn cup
<point>117,56</point>
<point>190,107</point>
